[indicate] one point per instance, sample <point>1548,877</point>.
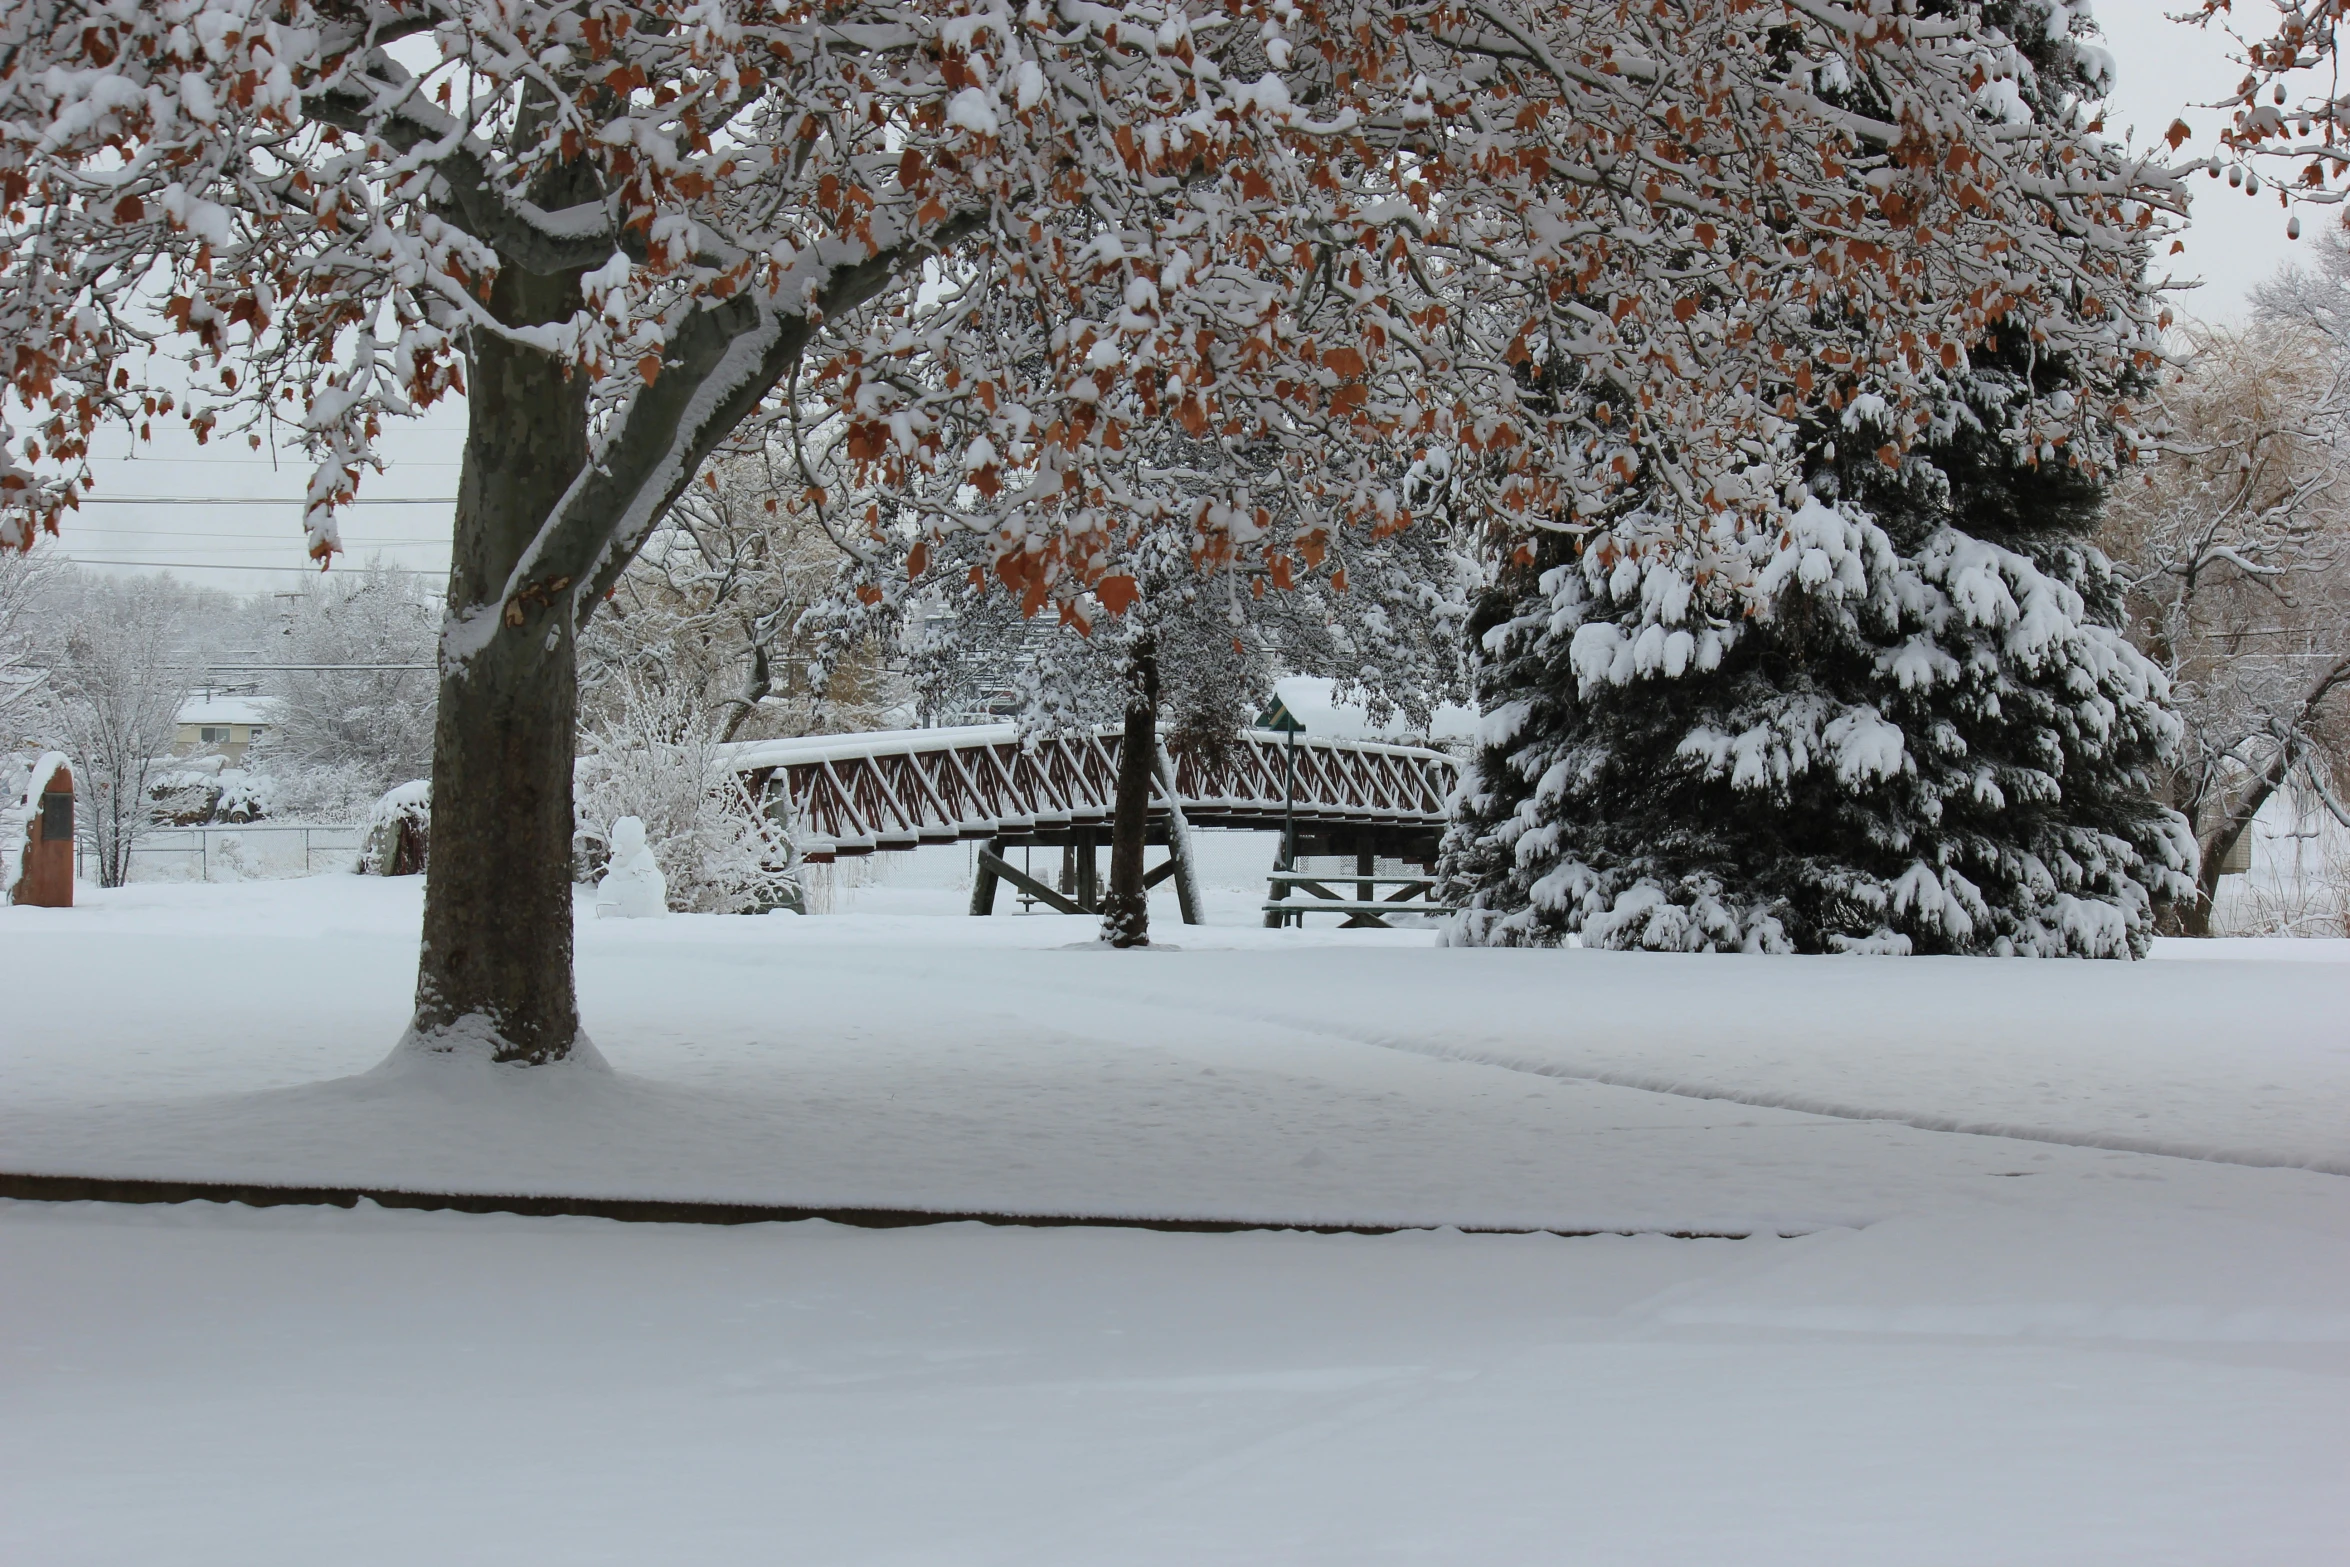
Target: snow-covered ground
<point>2049,1262</point>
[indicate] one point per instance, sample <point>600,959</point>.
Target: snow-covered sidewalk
<point>229,1387</point>
<point>2063,1345</point>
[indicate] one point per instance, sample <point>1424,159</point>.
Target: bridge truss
<point>858,794</point>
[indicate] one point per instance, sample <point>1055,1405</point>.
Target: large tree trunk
<point>1126,913</point>
<point>496,966</point>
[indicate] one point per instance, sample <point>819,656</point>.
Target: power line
<point>80,531</point>
<point>279,548</point>
<point>206,565</point>
<point>260,500</point>
<point>266,462</point>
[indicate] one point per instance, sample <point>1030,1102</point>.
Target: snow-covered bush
<point>245,796</point>
<point>397,837</point>
<point>205,789</point>
<point>655,757</point>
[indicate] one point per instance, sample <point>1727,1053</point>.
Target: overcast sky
<point>231,518</point>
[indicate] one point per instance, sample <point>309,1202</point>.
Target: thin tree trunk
<point>496,965</point>
<point>757,683</point>
<point>1126,912</point>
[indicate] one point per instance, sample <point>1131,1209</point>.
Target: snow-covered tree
<point>25,580</point>
<point>1903,718</point>
<point>2235,547</point>
<point>719,602</point>
<point>121,670</point>
<point>342,732</point>
<point>620,228</point>
<point>626,227</point>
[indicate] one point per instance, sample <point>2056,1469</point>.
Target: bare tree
<point>2235,548</point>
<point>350,728</point>
<point>716,606</point>
<point>115,689</point>
<point>25,582</point>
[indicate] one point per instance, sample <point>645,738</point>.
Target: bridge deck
<point>858,794</point>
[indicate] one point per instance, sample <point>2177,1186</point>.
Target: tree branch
<point>525,234</point>
<point>720,366</point>
<point>2271,778</point>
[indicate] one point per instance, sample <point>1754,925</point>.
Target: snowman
<point>632,888</point>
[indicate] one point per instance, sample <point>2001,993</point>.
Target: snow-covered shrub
<point>397,838</point>
<point>224,858</point>
<point>245,796</point>
<point>655,757</point>
<point>325,792</point>
<point>205,789</point>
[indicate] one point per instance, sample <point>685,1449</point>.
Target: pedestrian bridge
<point>858,794</point>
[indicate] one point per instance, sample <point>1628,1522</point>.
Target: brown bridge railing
<point>899,789</point>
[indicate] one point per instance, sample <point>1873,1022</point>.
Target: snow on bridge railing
<point>854,794</point>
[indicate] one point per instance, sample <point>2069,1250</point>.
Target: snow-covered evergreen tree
<point>1904,720</point>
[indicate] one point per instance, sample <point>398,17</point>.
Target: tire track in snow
<point>1763,1099</point>
<point>2110,1142</point>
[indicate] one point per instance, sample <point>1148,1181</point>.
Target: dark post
<point>984,879</point>
<point>1126,909</point>
<point>1089,872</point>
<point>1278,717</point>
<point>1289,803</point>
<point>1366,864</point>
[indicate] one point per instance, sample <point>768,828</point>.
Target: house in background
<point>223,726</point>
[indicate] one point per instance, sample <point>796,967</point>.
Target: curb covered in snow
<point>91,1188</point>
